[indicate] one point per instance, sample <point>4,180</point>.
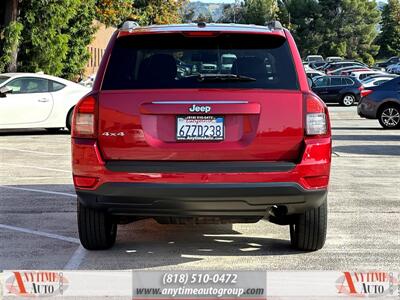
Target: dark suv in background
<point>337,89</point>
<point>233,143</point>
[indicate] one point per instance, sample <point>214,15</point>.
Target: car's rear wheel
<point>348,100</point>
<point>97,230</point>
<point>308,231</point>
<point>69,119</point>
<point>389,116</point>
<point>53,130</point>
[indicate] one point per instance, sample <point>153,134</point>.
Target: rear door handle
<point>43,100</point>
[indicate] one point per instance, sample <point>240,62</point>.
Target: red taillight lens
<point>365,93</point>
<point>316,117</point>
<point>84,121</point>
<point>201,33</point>
<point>361,87</point>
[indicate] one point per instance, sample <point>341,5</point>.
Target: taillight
<point>365,93</point>
<point>201,33</point>
<point>361,87</point>
<point>84,121</point>
<point>316,117</point>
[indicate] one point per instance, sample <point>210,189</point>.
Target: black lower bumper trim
<point>198,166</point>
<point>230,199</point>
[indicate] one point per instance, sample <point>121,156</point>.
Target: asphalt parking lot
<point>38,224</point>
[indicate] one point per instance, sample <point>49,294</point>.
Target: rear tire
<point>308,232</point>
<point>69,119</point>
<point>53,130</point>
<point>389,116</point>
<point>97,230</point>
<point>348,100</point>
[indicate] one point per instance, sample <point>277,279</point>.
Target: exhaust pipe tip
<point>278,211</point>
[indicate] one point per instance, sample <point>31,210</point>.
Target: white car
<point>375,81</point>
<point>312,58</point>
<point>334,58</point>
<point>361,75</point>
<point>29,100</point>
<point>313,73</point>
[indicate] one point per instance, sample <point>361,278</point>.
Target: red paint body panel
<point>267,125</point>
<point>315,161</point>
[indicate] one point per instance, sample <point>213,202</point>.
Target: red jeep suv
<point>201,123</point>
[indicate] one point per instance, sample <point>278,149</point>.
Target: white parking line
<point>34,167</point>
<point>32,151</point>
<point>76,259</point>
<point>41,233</point>
<point>37,191</point>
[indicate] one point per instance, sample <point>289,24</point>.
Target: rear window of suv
<point>170,61</point>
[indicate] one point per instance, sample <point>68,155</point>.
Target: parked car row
<point>341,81</point>
<point>377,90</point>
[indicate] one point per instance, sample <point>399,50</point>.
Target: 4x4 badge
<point>113,133</point>
<point>203,109</point>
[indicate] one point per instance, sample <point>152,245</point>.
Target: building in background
<point>97,48</point>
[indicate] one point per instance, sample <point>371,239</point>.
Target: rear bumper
<point>186,200</point>
<point>201,188</point>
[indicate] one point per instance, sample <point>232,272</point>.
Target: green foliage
<point>303,18</point>
<point>389,38</point>
<point>45,39</point>
<point>55,37</point>
<point>10,38</point>
<point>81,31</point>
<point>349,29</point>
<point>259,11</point>
<point>148,12</point>
<point>113,12</point>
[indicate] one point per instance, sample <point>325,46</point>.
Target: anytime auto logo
<point>36,283</point>
<point>367,284</point>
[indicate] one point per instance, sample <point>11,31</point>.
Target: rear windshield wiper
<point>223,77</point>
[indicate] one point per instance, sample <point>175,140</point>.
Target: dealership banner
<point>240,285</point>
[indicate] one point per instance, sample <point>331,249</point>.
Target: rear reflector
<point>84,181</point>
<point>317,181</point>
<point>365,93</point>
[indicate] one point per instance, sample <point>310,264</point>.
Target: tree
<point>232,13</point>
<point>113,12</point>
<point>348,28</point>
<point>44,44</point>
<point>303,18</point>
<point>11,35</point>
<point>259,11</point>
<point>148,12</point>
<point>80,31</point>
<point>389,38</point>
<point>55,37</point>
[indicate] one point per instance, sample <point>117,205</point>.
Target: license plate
<point>200,128</point>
